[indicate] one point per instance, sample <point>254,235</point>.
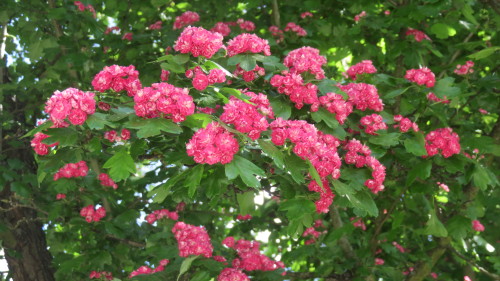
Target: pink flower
<point>232,274</point>
<point>359,16</point>
<point>482,111</point>
<point>387,12</point>
<point>434,275</point>
<point>118,78</point>
<point>359,223</point>
<point>373,123</point>
<point>399,247</point>
<point>250,258</point>
<point>477,226</point>
<point>306,59</point>
<point>365,66</point>
<point>291,26</point>
<point>91,214</point>
<point>192,240</point>
<point>60,196</point>
<point>246,42</point>
<point>443,186</point>
<point>306,14</point>
<point>212,145</point>
<point>422,76</point>
<point>363,96</point>
<point>198,42</point>
<point>187,18</point>
<point>442,140</point>
<point>221,28</point>
<point>246,25</point>
<point>432,97</point>
<point>155,26</point>
<point>379,261</point>
<point>127,36</point>
<point>465,69</point>
<point>292,85</point>
<point>39,147</point>
<point>107,181</point>
<point>163,213</point>
<point>417,34</point>
<point>72,170</point>
<point>326,195</point>
<point>336,104</point>
<point>405,124</point>
<point>72,104</point>
<point>200,81</point>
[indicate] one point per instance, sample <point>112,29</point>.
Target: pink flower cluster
<point>422,76</point>
<point>336,104</point>
<point>113,136</point>
<point>243,217</point>
<point>39,147</point>
<point>306,59</point>
<point>192,240</point>
<point>363,96</point>
<point>212,145</point>
<point>232,274</point>
<point>118,78</point>
<point>103,106</point>
<point>276,32</point>
<point>291,26</point>
<point>249,256</point>
<point>155,26</point>
<point>432,97</point>
<point>306,14</point>
<point>187,18</point>
<point>127,36</point>
<point>198,42</point>
<point>71,103</point>
<point>359,223</point>
<point>222,28</point>
<point>82,8</point>
<point>312,231</point>
<point>360,155</point>
<point>91,214</point>
<point>111,29</point>
<point>164,75</point>
<point>159,214</point>
<point>362,67</point>
<point>293,86</point>
<point>201,80</point>
<point>443,186</point>
<point>107,181</point>
<point>379,261</point>
<point>163,99</point>
<point>148,270</point>
<point>399,247</point>
<point>310,144</point>
<point>405,124</point>
<point>326,195</point>
<point>72,170</point>
<point>248,43</point>
<point>373,123</point>
<point>477,226</point>
<point>359,16</point>
<point>101,274</point>
<point>60,196</point>
<point>465,69</point>
<point>417,34</point>
<point>251,75</point>
<point>246,117</point>
<point>207,110</point>
<point>246,25</point>
<point>442,140</point>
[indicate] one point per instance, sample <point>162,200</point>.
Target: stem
<point>343,241</point>
<point>276,13</point>
<point>482,269</point>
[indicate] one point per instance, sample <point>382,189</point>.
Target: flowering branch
<point>343,241</point>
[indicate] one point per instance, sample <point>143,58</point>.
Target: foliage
<point>49,50</point>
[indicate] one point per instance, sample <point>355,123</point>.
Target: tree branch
<point>126,241</point>
<point>482,269</point>
<point>276,13</point>
<point>424,268</point>
<point>343,241</point>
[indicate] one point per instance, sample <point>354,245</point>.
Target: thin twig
<point>455,55</point>
<point>482,269</point>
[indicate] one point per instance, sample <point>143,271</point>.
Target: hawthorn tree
<point>159,140</point>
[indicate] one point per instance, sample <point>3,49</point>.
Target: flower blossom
<point>359,16</point>
<point>432,97</point>
<point>248,43</point>
<point>118,78</point>
<point>187,18</point>
<point>222,28</point>
<point>417,34</point>
<point>443,186</point>
<point>155,26</point>
<point>465,69</point>
<point>163,213</point>
<point>91,214</point>
<point>250,258</point>
<point>336,104</point>
<point>291,26</point>
<point>198,41</point>
<point>106,180</point>
<point>422,76</point>
<point>306,59</point>
<point>246,25</point>
<point>163,99</point>
<point>127,36</point>
<point>212,144</point>
<point>306,14</point>
<point>292,85</point>
<point>72,170</point>
<point>443,141</point>
<point>363,96</point>
<point>192,240</point>
<point>148,270</point>
<point>326,195</point>
<point>39,147</point>
<point>101,274</point>
<point>232,274</point>
<point>405,124</point>
<point>358,222</point>
<point>72,104</point>
<point>477,226</point>
<point>362,67</point>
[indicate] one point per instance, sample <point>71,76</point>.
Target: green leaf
<point>444,87</point>
<point>181,58</point>
<point>458,227</point>
<point>40,128</point>
<point>342,188</point>
<point>193,179</point>
<point>297,207</point>
<point>280,108</point>
<point>422,170</point>
<point>98,121</point>
<point>246,202</point>
<point>186,264</point>
<point>120,166</point>
<point>152,127</point>
<point>484,53</point>
<point>197,120</point>
<point>246,170</point>
<point>435,226</point>
<point>161,192</point>
<point>416,145</point>
<point>248,63</point>
<point>234,60</point>
<point>329,86</point>
<point>325,116</point>
<point>173,67</point>
<point>65,136</point>
<point>273,152</point>
<point>296,167</point>
<point>395,93</point>
<point>481,177</point>
<point>442,30</point>
<point>363,201</point>
<point>315,175</point>
<point>387,140</point>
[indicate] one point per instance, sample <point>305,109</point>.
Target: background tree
<point>411,229</point>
